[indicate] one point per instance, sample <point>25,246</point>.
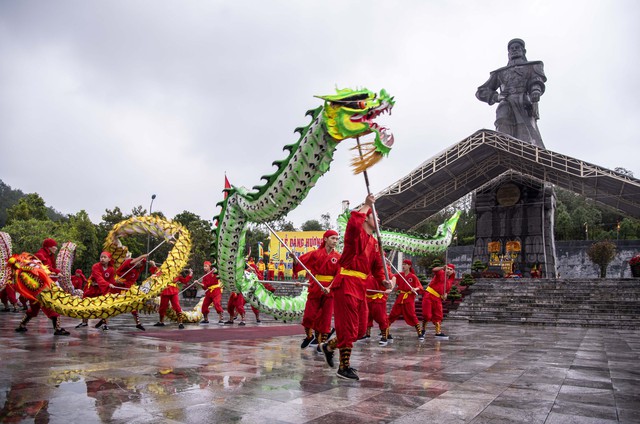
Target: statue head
<point>516,51</point>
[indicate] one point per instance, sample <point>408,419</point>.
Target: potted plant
<point>477,267</point>
<point>467,281</point>
<point>634,263</point>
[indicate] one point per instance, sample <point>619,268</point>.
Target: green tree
<point>31,206</point>
<point>201,238</point>
<point>254,235</point>
<point>85,234</point>
<point>283,225</point>
<point>602,253</point>
<point>326,221</point>
<point>27,235</point>
<point>8,198</point>
<point>312,225</point>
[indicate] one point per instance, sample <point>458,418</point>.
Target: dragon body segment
<point>417,245</point>
<point>347,114</point>
<point>32,279</point>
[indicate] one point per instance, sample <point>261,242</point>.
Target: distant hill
<point>10,196</point>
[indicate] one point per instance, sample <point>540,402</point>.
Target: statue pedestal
<point>514,225</point>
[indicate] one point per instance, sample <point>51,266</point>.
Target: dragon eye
<point>362,104</point>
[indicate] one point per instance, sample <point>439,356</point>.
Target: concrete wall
<point>572,258</point>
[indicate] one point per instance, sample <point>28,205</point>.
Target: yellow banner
<point>299,242</point>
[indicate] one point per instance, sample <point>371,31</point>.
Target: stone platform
<point>486,373</point>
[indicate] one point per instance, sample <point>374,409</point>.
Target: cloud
<point>107,103</point>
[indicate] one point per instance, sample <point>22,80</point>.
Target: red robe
<point>213,294</point>
<point>405,303</point>
<point>99,280</point>
<point>319,307</point>
<point>361,256</point>
<point>432,303</point>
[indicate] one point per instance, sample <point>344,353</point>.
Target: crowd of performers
<point>354,286</point>
<point>351,289</point>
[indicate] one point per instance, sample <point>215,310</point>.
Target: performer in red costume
<point>271,271</point>
<point>377,295</point>
<point>361,256</point>
<point>253,266</point>
<point>261,269</point>
<point>323,264</point>
<point>79,280</point>
<point>408,288</point>
<point>235,307</point>
<point>436,292</point>
<point>213,293</point>
<point>170,294</point>
<point>8,295</point>
<point>281,269</point>
<point>46,255</point>
<point>100,282</point>
<point>128,273</point>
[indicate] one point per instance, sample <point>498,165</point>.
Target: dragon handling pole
<point>375,215</point>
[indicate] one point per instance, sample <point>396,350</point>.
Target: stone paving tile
<point>483,374</point>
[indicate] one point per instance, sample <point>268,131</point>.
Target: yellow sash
<point>352,273</point>
<point>375,296</point>
<point>433,292</point>
<point>406,293</point>
<point>212,288</point>
<point>324,278</point>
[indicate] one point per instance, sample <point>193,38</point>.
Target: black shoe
<point>306,342</point>
<point>159,324</point>
<point>6,310</point>
<point>422,332</point>
<point>241,323</point>
<point>61,332</point>
<point>441,336</point>
<point>229,322</point>
<point>348,373</point>
<point>105,328</point>
<point>82,324</point>
<point>140,327</point>
<point>383,341</point>
<point>99,324</point>
<point>328,354</point>
<point>21,329</point>
<point>258,321</point>
<point>420,337</point>
<point>15,309</point>
<point>221,322</point>
<point>314,342</point>
<point>204,321</point>
<point>181,326</point>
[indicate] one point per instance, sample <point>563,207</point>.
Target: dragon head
<point>350,114</point>
<point>30,276</point>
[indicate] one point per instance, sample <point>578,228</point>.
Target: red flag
<point>226,185</point>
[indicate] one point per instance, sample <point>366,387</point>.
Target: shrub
<point>602,253</point>
<point>467,280</point>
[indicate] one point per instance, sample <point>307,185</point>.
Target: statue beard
<point>517,60</point>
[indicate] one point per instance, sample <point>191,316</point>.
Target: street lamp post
<point>146,269</point>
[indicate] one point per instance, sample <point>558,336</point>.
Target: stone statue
<point>521,84</point>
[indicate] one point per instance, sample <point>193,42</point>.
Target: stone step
<point>587,303</point>
<point>568,323</point>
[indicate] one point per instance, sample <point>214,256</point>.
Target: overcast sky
<point>103,104</point>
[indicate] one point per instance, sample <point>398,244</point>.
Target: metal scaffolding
<point>485,155</point>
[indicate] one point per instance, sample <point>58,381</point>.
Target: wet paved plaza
<point>483,374</point>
